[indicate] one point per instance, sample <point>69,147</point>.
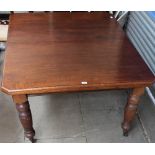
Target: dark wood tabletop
<point>62,51</point>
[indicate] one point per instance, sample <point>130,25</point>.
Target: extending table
<point>69,52</point>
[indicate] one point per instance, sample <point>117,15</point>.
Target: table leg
<point>131,109</point>
<point>25,116</point>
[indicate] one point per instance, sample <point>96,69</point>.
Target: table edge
<point>76,88</point>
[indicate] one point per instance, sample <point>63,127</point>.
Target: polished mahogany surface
<point>63,51</point>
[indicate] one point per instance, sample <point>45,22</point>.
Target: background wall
<point>141,31</point>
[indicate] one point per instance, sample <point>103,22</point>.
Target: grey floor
<point>90,117</point>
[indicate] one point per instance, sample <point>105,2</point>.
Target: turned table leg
<point>131,109</point>
<point>23,108</point>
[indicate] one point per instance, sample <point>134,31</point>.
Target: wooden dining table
<point>70,52</point>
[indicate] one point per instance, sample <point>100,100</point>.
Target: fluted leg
<point>25,115</point>
<point>131,109</point>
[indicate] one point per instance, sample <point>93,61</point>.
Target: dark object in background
<point>4,19</point>
<point>4,16</point>
<point>4,22</point>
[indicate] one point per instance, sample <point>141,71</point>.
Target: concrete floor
<point>77,117</point>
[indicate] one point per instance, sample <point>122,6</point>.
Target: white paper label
<point>84,82</point>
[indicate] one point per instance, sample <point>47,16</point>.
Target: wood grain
<point>131,109</point>
<point>25,116</point>
<point>56,52</point>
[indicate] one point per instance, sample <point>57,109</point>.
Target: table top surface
<point>63,51</point>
